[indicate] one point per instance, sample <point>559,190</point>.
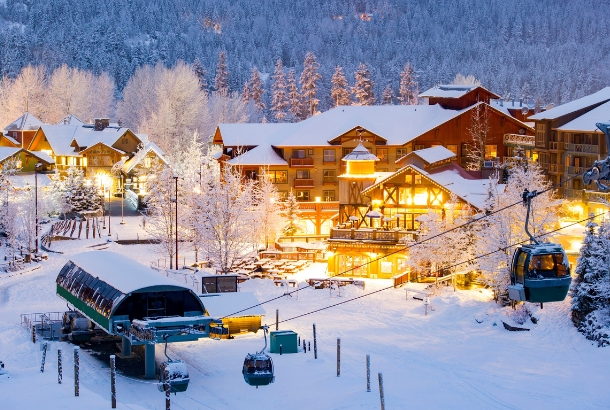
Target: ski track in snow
<point>443,360</point>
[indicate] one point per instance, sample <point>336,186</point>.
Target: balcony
<point>301,162</point>
<point>556,146</point>
<point>576,170</point>
<point>303,183</point>
<point>558,168</point>
<point>518,140</point>
<point>372,235</point>
<point>582,148</point>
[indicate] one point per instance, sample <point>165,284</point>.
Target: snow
<point>432,155</point>
<point>43,156</point>
<point>132,162</point>
<point>587,121</point>
<point>26,122</point>
<point>70,119</point>
<point>7,152</point>
<point>21,180</point>
<point>60,137</point>
<point>453,91</point>
<point>119,271</point>
<point>601,96</point>
<point>261,155</point>
<point>225,304</point>
<point>445,359</point>
<point>360,153</point>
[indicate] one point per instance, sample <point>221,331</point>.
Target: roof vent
<point>101,123</point>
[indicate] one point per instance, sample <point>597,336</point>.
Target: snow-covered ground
<point>443,360</point>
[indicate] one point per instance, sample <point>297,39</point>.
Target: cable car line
<point>405,247</point>
<point>446,267</point>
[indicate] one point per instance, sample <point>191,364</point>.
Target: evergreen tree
<point>388,96</point>
<point>408,86</point>
<point>201,73</point>
<point>245,93</point>
<point>221,82</point>
<point>76,196</point>
<point>294,99</point>
<point>256,90</point>
<point>309,78</point>
<point>363,87</point>
<point>291,213</point>
<point>591,287</point>
<point>340,89</point>
<point>279,104</point>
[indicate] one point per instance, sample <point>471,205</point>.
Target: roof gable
<point>455,91</point>
<point>24,123</point>
<point>429,155</point>
<point>599,97</point>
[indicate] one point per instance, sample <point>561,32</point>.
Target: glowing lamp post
<point>37,166</point>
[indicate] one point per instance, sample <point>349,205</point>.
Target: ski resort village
<point>317,233</point>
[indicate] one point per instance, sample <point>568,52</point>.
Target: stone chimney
<point>101,123</point>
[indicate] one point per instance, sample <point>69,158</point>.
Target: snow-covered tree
<point>270,218</point>
<point>461,79</point>
<point>279,103</point>
<point>221,81</point>
<point>76,195</point>
<point>227,217</point>
<point>25,94</point>
<point>388,95</point>
<point>294,99</point>
<point>201,74</point>
<point>68,92</point>
<point>506,229</point>
<point>339,91</point>
<point>291,213</point>
<point>309,84</point>
<point>363,86</point>
<point>591,286</point>
<point>255,86</point>
<point>408,90</point>
<point>479,130</point>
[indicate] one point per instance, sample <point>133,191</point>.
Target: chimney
<point>520,102</point>
<point>101,123</point>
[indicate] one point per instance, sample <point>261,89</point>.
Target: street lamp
<point>109,229</point>
<point>36,167</point>
<point>122,201</point>
<point>176,178</point>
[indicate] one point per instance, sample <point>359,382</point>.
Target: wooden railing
<point>558,146</point>
<point>575,170</point>
<point>303,183</point>
<point>583,148</point>
<point>555,168</point>
<point>301,162</point>
<point>372,235</point>
<point>518,139</point>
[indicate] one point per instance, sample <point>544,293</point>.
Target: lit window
<point>329,196</point>
<point>491,152</point>
<point>417,179</point>
<point>421,196</point>
<point>329,155</point>
<point>452,148</point>
<point>400,152</point>
<point>330,175</point>
<point>382,154</point>
<point>277,177</point>
<point>404,196</point>
<point>302,195</point>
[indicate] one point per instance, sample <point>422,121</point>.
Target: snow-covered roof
<point>227,303</point>
<point>43,156</point>
<point>587,121</point>
<point>261,155</point>
<point>360,153</point>
<point>132,162</point>
<point>12,140</point>
<point>121,272</point>
<point>70,119</point>
<point>60,137</point>
<point>26,122</point>
<point>7,152</point>
<point>432,155</point>
<point>251,134</point>
<point>453,91</point>
<point>452,178</point>
<point>601,96</point>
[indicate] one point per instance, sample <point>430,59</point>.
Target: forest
<point>555,50</point>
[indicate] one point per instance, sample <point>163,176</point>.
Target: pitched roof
<point>69,119</point>
<point>453,91</point>
<point>7,152</point>
<point>250,134</point>
<point>26,122</point>
<point>360,153</point>
<point>431,155</point>
<point>261,155</point>
<point>132,162</point>
<point>601,96</point>
<point>587,121</point>
<point>43,156</point>
<point>60,137</point>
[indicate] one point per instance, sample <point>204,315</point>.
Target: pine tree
<point>294,99</point>
<point>201,73</point>
<point>479,130</point>
<point>340,88</point>
<point>245,93</point>
<point>221,82</point>
<point>291,213</point>
<point>309,78</point>
<point>388,96</point>
<point>256,90</point>
<point>363,87</point>
<point>408,86</point>
<point>279,104</point>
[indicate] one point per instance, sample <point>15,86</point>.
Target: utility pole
<point>38,165</point>
<point>176,178</point>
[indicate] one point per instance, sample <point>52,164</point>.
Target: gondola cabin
<point>540,273</point>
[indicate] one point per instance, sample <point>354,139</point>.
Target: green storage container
<point>286,338</point>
